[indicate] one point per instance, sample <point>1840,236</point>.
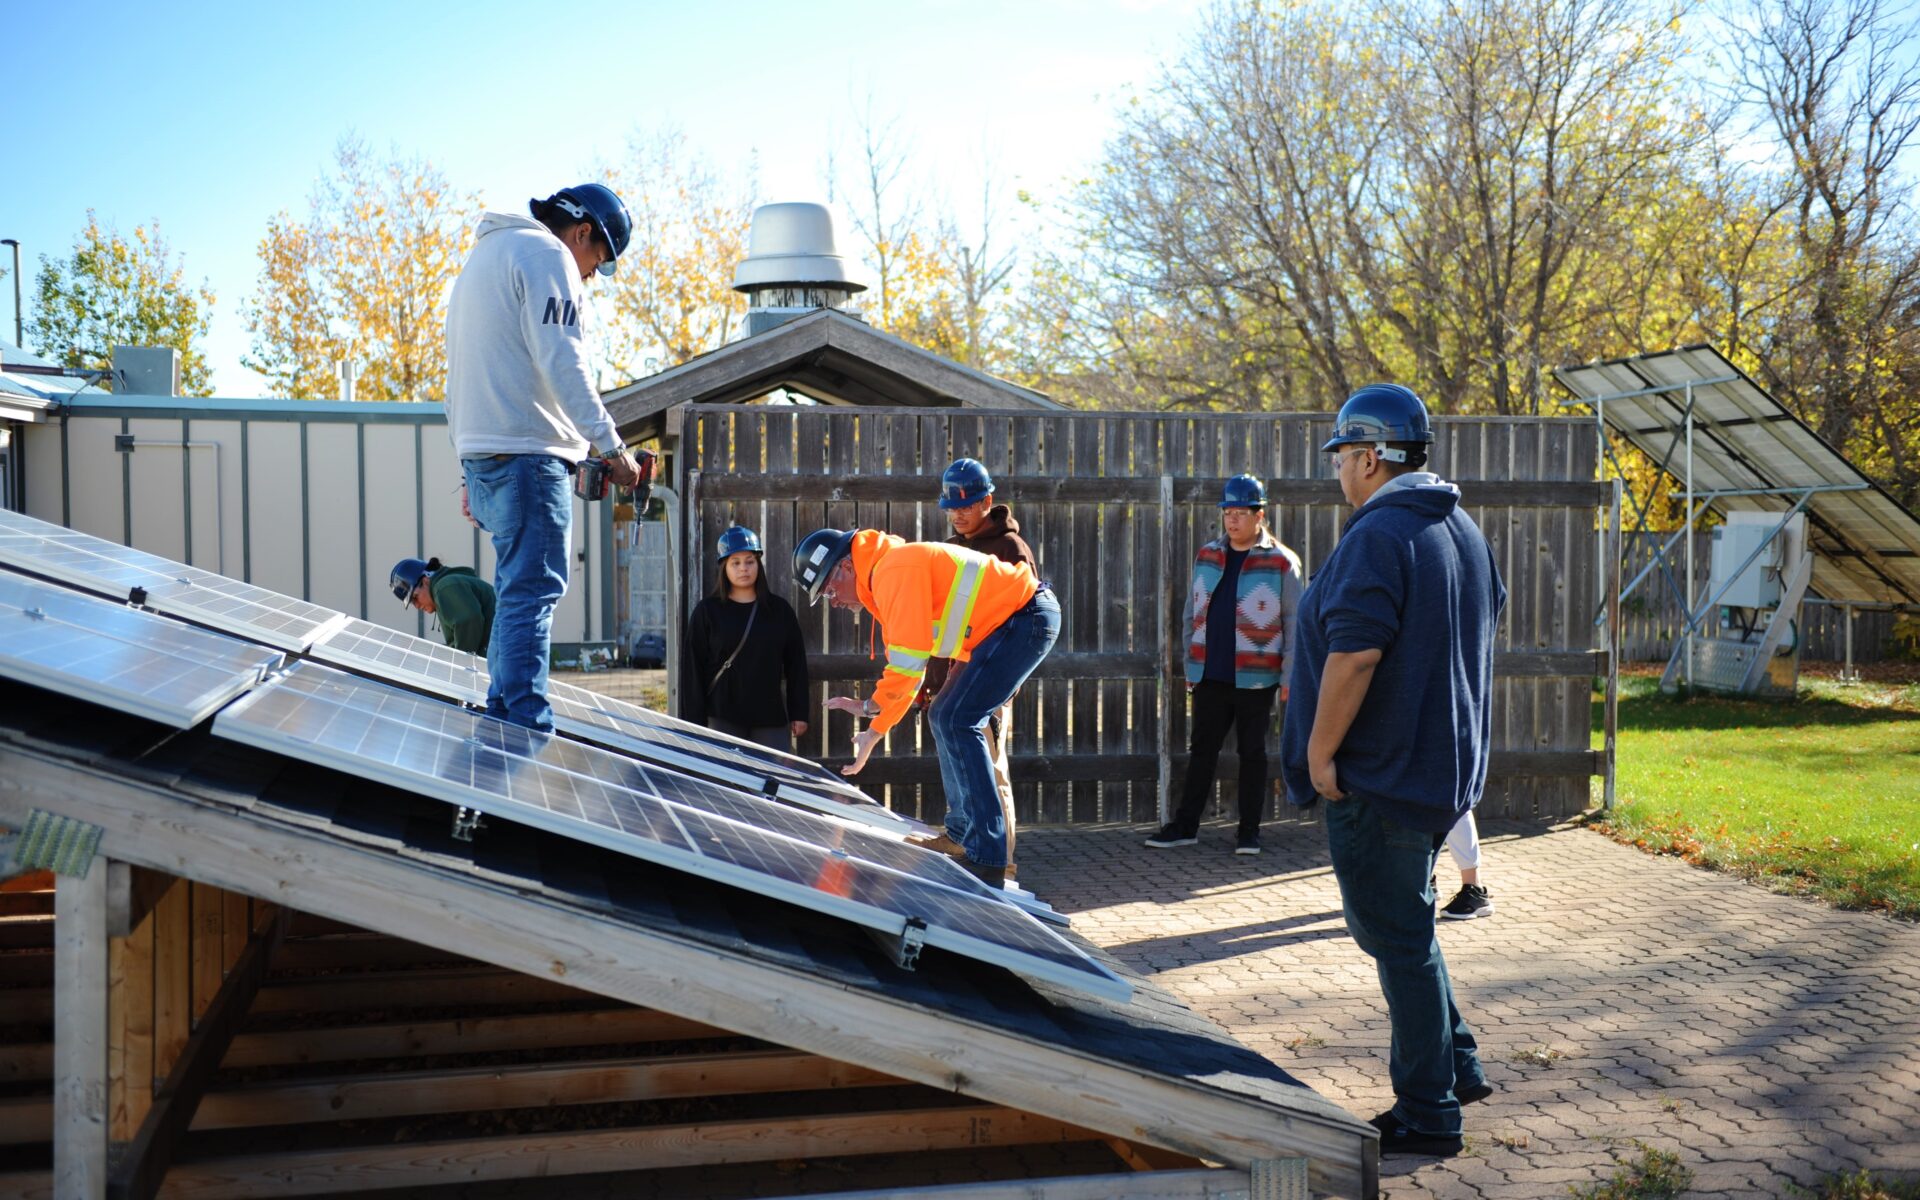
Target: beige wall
<point>247,486</point>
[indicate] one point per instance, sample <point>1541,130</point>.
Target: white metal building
<point>317,499</point>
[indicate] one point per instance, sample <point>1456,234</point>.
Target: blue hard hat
<point>815,558</point>
<point>1243,491</point>
<point>736,539</point>
<point>1381,412</point>
<point>406,576</point>
<point>963,483</point>
<point>597,203</point>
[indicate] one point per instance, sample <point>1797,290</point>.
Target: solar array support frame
<point>1680,662</point>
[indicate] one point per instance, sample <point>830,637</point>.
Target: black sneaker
<point>1469,902</point>
<point>1172,835</point>
<point>1396,1138</point>
<point>1474,1094</point>
<point>1247,843</point>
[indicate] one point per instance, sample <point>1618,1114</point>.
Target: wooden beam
<point>352,1168</point>
<point>80,1034</point>
<point>363,950</point>
<point>137,1174</point>
<point>29,903</point>
<point>26,1062</point>
<point>609,1027</point>
<point>26,969</point>
<point>411,989</point>
<point>29,1006</point>
<point>476,1089</point>
<point>146,822</point>
<point>32,932</point>
<point>1198,1183</point>
<point>1150,1158</point>
<point>25,1120</point>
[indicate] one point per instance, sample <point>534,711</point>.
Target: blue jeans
<point>525,502</point>
<point>1383,868</point>
<point>974,691</point>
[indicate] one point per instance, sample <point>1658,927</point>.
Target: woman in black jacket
<point>740,641</point>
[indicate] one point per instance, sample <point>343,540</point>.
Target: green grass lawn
<point>1820,795</point>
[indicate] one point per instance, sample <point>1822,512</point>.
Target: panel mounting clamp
<point>904,947</point>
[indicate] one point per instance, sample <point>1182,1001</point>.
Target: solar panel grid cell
<point>120,657</point>
<point>98,565</point>
<point>589,794</point>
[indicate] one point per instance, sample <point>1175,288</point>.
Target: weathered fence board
<point>1093,726</point>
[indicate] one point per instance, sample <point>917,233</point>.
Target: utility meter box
<point>1758,586</point>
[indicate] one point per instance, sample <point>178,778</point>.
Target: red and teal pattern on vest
<point>1267,598</point>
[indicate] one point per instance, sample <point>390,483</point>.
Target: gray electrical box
<point>146,370</point>
<point>1759,585</point>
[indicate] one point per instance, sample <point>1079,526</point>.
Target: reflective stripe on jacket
<point>933,600</point>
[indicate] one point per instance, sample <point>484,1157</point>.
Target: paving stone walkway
<point>1767,1039</point>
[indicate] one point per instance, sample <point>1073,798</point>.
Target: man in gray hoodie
<point>523,411</point>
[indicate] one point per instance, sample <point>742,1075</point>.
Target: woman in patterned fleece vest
<point>1265,599</point>
<point>1239,628</point>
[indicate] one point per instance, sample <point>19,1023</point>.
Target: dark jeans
<point>1218,707</point>
<point>526,502</point>
<point>958,717</point>
<point>1383,868</point>
<point>773,737</point>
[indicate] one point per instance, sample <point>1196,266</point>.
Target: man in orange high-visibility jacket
<point>936,600</point>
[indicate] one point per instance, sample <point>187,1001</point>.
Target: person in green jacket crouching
<point>460,600</point>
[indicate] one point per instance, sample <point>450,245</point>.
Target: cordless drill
<point>590,480</point>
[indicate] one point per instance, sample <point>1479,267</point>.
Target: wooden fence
<point>1652,616</point>
<point>1115,505</point>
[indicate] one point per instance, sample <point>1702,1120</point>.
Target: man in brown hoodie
<point>966,496</point>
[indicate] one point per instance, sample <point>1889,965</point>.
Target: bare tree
<point>1837,85</point>
<point>885,210</point>
<point>980,267</point>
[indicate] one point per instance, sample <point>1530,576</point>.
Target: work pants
<point>773,737</point>
<point>525,503</point>
<point>1218,707</point>
<point>958,717</point>
<point>1383,867</point>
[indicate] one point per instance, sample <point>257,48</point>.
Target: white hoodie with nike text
<point>518,381</point>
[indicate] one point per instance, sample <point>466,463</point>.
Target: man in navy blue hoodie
<point>1392,685</point>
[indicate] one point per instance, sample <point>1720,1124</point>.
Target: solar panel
<point>120,657</point>
<point>82,560</point>
<point>582,792</point>
<point>403,658</point>
<point>1866,546</point>
<point>682,745</point>
<point>628,728</point>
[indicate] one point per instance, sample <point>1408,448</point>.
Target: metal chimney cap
<point>793,244</point>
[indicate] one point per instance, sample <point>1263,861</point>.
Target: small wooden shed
<point>273,979</point>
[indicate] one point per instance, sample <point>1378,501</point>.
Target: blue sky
<point>210,117</point>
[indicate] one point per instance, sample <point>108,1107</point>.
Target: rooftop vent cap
<point>793,244</point>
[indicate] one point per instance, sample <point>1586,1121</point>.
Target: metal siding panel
<point>274,507</point>
<point>392,519</point>
<point>333,513</point>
